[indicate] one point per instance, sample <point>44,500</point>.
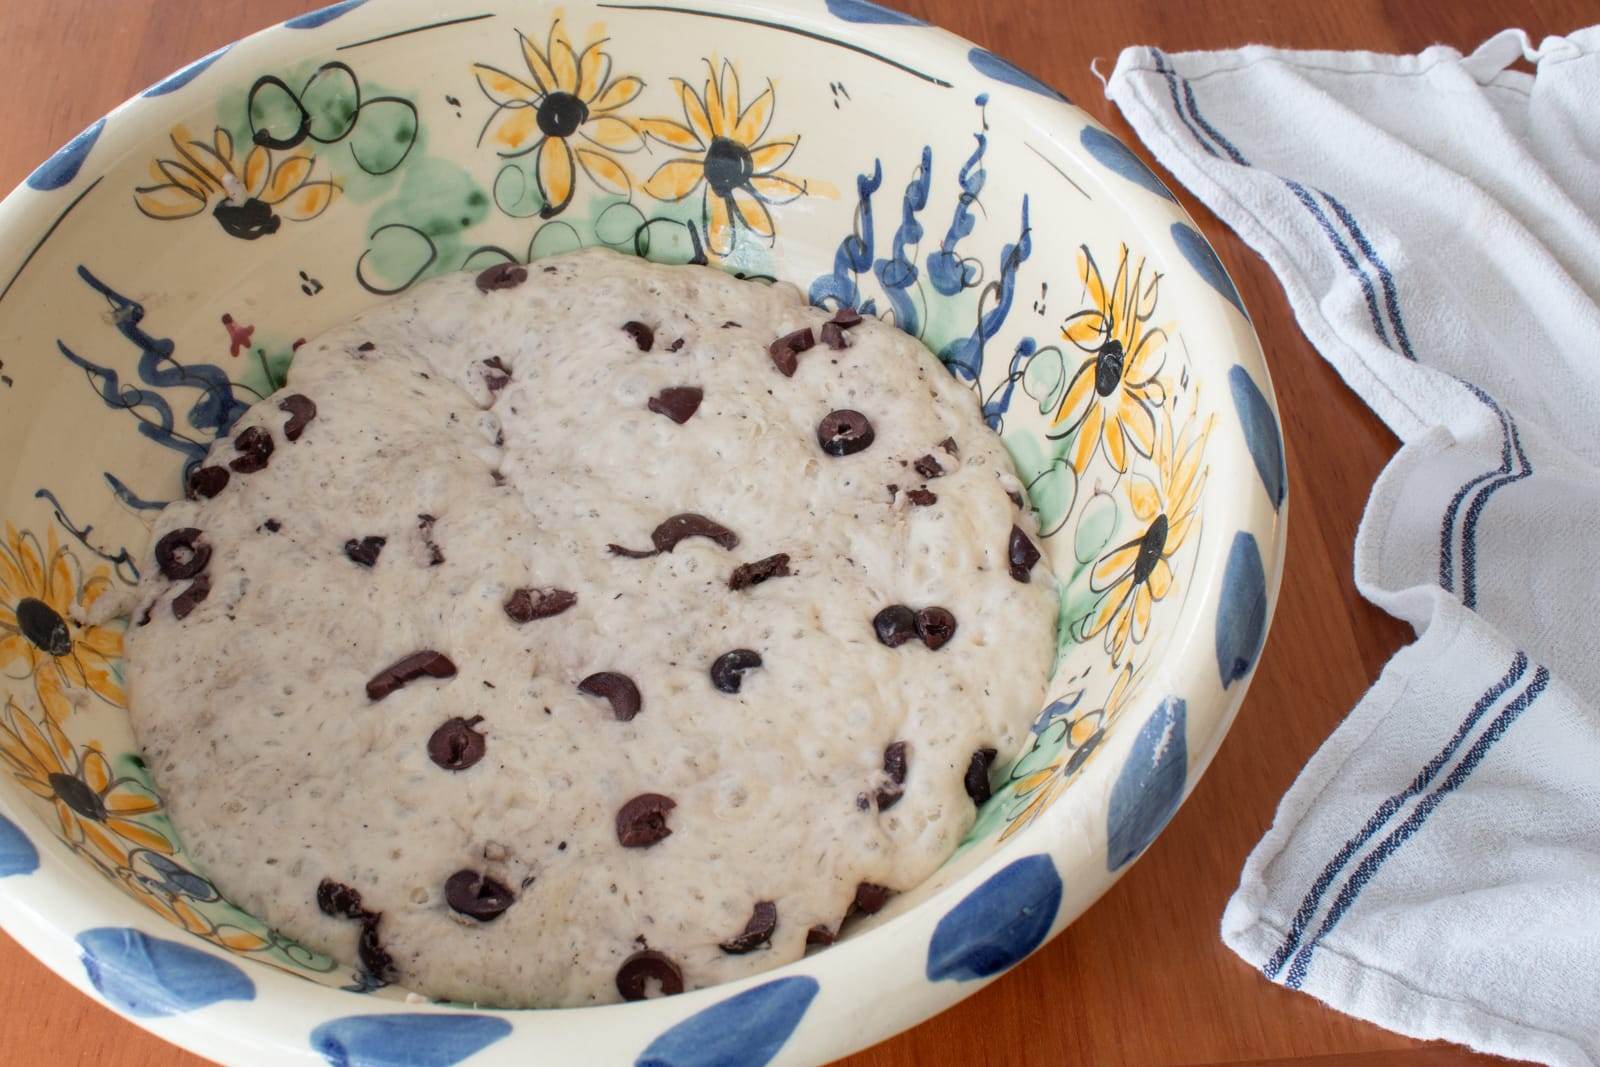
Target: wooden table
<point>1137,980</point>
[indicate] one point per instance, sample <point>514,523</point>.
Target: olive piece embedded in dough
<point>844,432</point>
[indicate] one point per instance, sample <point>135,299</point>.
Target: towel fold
<point>1435,222</point>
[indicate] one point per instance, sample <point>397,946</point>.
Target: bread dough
<point>279,771</point>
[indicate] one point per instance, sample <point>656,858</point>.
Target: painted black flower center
<point>728,166</point>
<point>246,221</point>
<point>1108,367</point>
<point>1151,545</point>
<point>560,114</point>
<point>76,794</point>
<point>41,625</point>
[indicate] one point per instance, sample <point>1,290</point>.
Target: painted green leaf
<point>384,135</point>
<point>273,111</point>
<point>1053,492</point>
<point>1044,378</point>
<point>1095,526</point>
<point>330,99</point>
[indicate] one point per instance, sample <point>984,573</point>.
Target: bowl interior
<point>159,272</point>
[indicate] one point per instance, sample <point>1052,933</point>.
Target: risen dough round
<point>279,771</point>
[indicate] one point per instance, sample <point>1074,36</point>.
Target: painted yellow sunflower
<point>729,157</point>
<point>1131,577</point>
<point>563,114</point>
<point>95,808</point>
<point>39,638</point>
<point>250,197</point>
<point>1076,738</point>
<point>1110,400</point>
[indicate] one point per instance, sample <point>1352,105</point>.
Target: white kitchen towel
<point>1435,222</point>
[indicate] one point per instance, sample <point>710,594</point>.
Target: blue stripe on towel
<point>1177,108</point>
<point>1300,192</point>
<point>1391,292</point>
<point>1510,439</point>
<point>1374,860</point>
<point>1385,812</point>
<point>1469,529</point>
<point>1304,196</point>
<point>1447,528</point>
<point>1497,479</point>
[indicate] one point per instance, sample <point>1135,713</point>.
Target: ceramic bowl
<point>157,272</point>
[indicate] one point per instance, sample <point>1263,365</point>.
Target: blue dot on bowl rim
<point>312,19</point>
<point>1003,70</point>
<point>1120,159</point>
<point>1261,433</point>
<point>1204,260</point>
<point>1242,612</point>
<point>1149,787</point>
<point>62,167</point>
<point>17,854</point>
<point>406,1039</point>
<point>865,11</point>
<point>152,978</point>
<point>997,924</point>
<point>746,1030</point>
<point>178,79</point>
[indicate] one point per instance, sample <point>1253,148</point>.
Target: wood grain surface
<point>1143,977</point>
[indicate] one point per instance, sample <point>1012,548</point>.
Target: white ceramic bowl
<point>155,273</point>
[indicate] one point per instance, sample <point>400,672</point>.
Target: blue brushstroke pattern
<point>1204,260</point>
<point>1242,613</point>
<point>1261,434</point>
<point>62,167</point>
<point>216,410</point>
<point>178,79</point>
<point>854,255</point>
<point>746,1030</point>
<point>312,19</point>
<point>150,978</point>
<point>986,62</point>
<point>865,11</point>
<point>948,272</point>
<point>963,357</point>
<point>17,854</point>
<point>406,1039</point>
<point>898,273</point>
<point>129,497</point>
<point>1120,159</point>
<point>1150,785</point>
<point>158,428</point>
<point>998,924</point>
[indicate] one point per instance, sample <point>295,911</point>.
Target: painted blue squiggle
<point>964,356</point>
<point>159,427</point>
<point>854,256</point>
<point>898,273</point>
<point>946,269</point>
<point>122,561</point>
<point>213,414</point>
<point>217,409</point>
<point>130,498</point>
